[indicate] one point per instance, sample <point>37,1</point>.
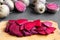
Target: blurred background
<point>31,15</point>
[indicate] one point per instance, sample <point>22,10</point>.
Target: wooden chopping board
<point>6,36</point>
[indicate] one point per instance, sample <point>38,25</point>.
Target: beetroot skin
<point>20,6</point>
<point>23,27</point>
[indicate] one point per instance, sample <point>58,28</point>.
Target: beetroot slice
<point>20,6</point>
<point>29,25</point>
<point>37,23</point>
<point>26,33</point>
<point>48,24</point>
<point>14,29</point>
<point>42,28</point>
<point>50,30</point>
<point>42,32</point>
<point>34,31</point>
<point>21,21</point>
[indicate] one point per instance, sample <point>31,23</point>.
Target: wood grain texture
<point>6,36</point>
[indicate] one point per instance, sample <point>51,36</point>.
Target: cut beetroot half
<point>50,30</point>
<point>29,25</point>
<point>52,6</point>
<point>37,23</point>
<point>48,24</point>
<point>14,29</point>
<point>20,6</point>
<point>21,21</point>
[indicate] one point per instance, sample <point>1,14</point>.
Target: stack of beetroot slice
<point>24,27</point>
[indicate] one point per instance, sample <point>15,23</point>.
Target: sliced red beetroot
<point>20,6</point>
<point>29,25</point>
<point>48,24</point>
<point>14,29</point>
<point>26,33</point>
<point>21,21</point>
<point>37,23</point>
<point>34,31</point>
<point>50,30</point>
